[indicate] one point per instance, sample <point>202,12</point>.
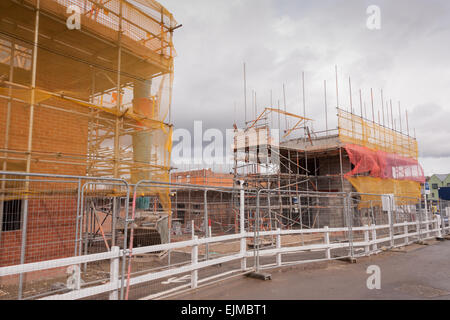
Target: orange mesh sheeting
<point>355,130</point>
<point>406,192</point>
<point>99,115</point>
<point>380,164</point>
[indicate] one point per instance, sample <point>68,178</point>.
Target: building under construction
<point>88,99</point>
<point>298,164</point>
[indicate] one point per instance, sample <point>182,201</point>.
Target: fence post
<point>374,238</point>
<point>327,242</point>
<point>447,210</point>
<point>391,222</point>
<point>77,275</point>
<point>242,225</point>
<point>115,214</point>
<point>438,226</point>
<point>427,227</point>
<point>114,273</point>
<point>441,221</point>
<point>278,247</point>
<point>349,223</point>
<point>419,226</point>
<point>406,233</point>
<point>194,261</point>
<point>366,239</point>
<point>444,226</point>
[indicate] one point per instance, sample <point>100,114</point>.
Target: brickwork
<point>50,232</point>
<point>58,137</point>
<point>59,143</point>
<point>204,177</point>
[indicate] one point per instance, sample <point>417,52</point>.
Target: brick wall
<point>204,177</point>
<point>57,135</point>
<point>52,215</point>
<point>50,232</point>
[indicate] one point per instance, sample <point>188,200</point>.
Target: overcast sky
<point>278,39</point>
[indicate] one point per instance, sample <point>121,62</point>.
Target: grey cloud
<point>433,130</point>
<point>278,39</point>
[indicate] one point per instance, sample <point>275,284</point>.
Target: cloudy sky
<point>279,39</point>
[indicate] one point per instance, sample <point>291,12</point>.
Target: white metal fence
<point>273,230</point>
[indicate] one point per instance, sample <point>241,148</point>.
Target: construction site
<point>90,102</point>
<point>361,156</point>
<point>85,160</point>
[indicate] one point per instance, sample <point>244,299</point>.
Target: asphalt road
<point>415,272</point>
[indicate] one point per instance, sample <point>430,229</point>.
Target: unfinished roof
<point>313,144</point>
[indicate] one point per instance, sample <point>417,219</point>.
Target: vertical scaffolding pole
<point>384,126</point>
<point>306,153</point>
<point>361,103</point>
<point>30,145</point>
<point>245,96</point>
<point>392,116</point>
<point>118,107</point>
<point>337,88</point>
<point>285,107</point>
<point>373,111</point>
<point>382,106</point>
<point>116,206</point>
<point>351,99</point>
<point>363,132</point>
<point>205,212</point>
<point>326,107</point>
<point>6,144</point>
<point>341,173</point>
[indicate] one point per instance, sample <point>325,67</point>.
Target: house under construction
<point>360,156</point>
<point>88,100</point>
<point>94,101</point>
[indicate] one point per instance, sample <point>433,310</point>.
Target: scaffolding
<point>93,101</point>
<point>384,160</point>
<point>360,155</point>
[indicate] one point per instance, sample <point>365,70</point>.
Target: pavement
<point>413,273</point>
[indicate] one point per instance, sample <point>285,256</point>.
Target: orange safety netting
<point>354,129</point>
<point>380,164</point>
<point>406,192</point>
<point>101,95</point>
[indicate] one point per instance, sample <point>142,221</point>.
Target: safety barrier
<point>94,256</point>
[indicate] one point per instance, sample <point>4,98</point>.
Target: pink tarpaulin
<point>380,164</point>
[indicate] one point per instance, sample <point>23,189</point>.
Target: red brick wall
<point>51,218</point>
<point>50,232</point>
<point>54,132</point>
<point>204,178</point>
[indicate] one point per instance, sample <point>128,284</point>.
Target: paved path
<point>419,272</point>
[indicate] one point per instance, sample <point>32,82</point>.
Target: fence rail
<point>270,229</point>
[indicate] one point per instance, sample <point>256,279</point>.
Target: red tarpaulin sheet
<point>380,164</point>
